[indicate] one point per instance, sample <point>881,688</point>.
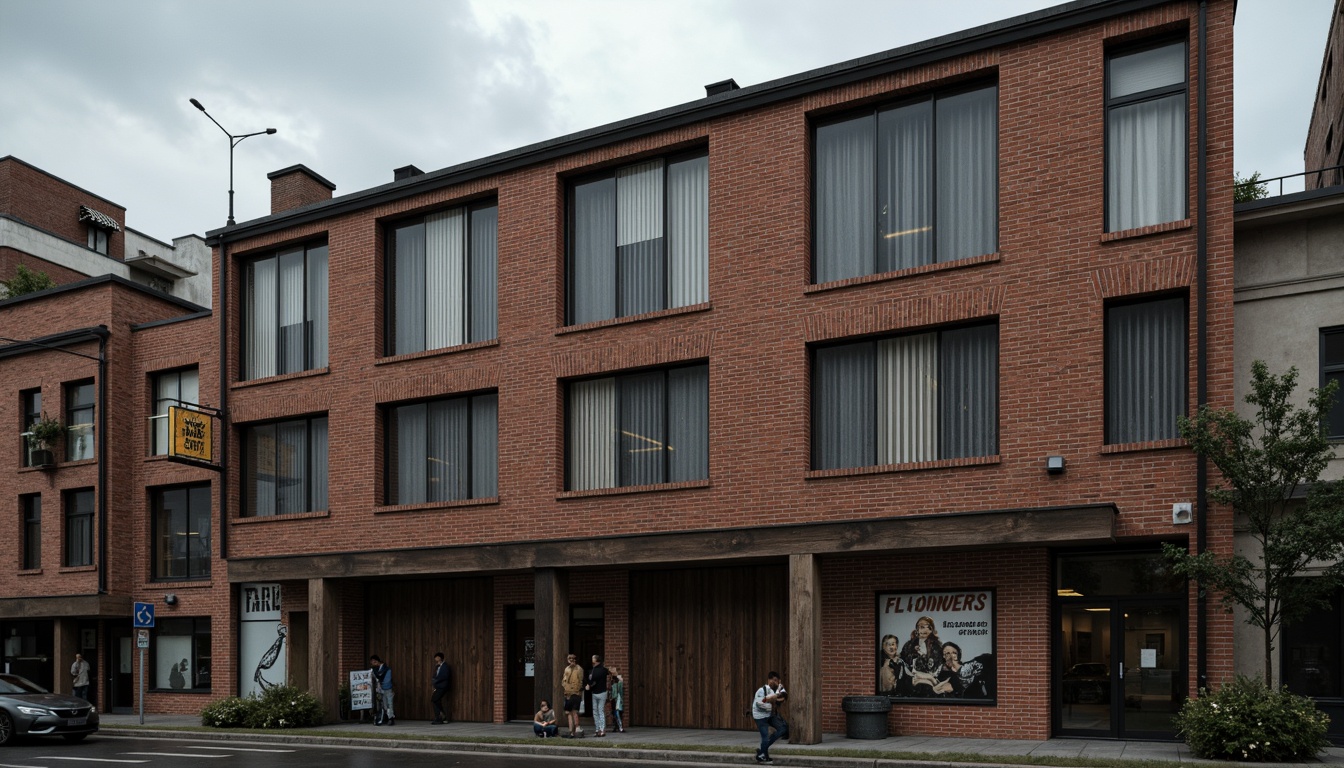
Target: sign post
<point>142,618</point>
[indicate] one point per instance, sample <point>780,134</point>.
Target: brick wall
<point>46,202</point>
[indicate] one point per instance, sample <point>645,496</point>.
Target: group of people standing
<point>384,692</point>
<point>925,667</point>
<point>604,685</point>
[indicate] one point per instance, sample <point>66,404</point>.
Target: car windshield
<point>16,684</point>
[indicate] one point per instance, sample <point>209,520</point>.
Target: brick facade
<point>41,200</point>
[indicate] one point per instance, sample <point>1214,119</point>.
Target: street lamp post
<point>234,140</point>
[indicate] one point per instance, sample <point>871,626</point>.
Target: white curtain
<point>1145,370</point>
<point>688,231</point>
<point>317,306</point>
<point>592,434</point>
<point>444,294</point>
<point>593,278</point>
<point>907,399</point>
<point>484,269</point>
<point>905,202</point>
<point>968,174</point>
<point>1145,173</point>
<point>639,238</point>
<point>292,329</point>
<point>843,184</point>
<point>260,318</point>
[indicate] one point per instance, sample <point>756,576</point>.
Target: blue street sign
<point>143,615</point>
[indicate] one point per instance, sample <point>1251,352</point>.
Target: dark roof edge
<point>994,34</point>
<point>61,339</point>
<point>98,280</point>
<point>301,168</point>
<point>1293,198</point>
<point>62,238</point>
<point>149,237</point>
<point>51,175</point>
<point>171,320</point>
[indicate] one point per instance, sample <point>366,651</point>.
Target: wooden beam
<point>324,652</point>
<point>65,638</point>
<point>72,606</point>
<point>1090,524</point>
<point>804,683</point>
<point>551,602</point>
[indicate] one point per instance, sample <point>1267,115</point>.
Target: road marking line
<point>243,749</point>
<point>90,759</point>
<point>12,765</point>
<point>170,754</point>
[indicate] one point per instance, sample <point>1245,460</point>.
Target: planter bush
<point>1247,721</point>
<point>226,713</point>
<point>283,706</point>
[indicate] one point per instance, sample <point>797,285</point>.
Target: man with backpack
<point>763,712</point>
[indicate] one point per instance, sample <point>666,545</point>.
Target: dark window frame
<point>202,655</point>
<point>1150,95</point>
<point>98,239</point>
<point>248,468</point>
<point>1336,414</point>
<point>816,394</point>
<point>619,377</point>
<point>571,229</point>
<point>156,516</point>
<point>165,402</point>
<point>390,493</point>
<point>30,406</point>
<point>469,209</point>
<point>73,412</point>
<point>873,111</point>
<point>30,521</point>
<point>76,518</point>
<point>1128,301</point>
<point>244,329</point>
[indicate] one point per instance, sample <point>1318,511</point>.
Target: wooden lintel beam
<point>73,606</point>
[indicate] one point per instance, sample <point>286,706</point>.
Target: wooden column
<point>324,651</point>
<point>804,681</point>
<point>551,600</point>
<point>65,644</point>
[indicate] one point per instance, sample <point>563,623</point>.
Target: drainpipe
<point>102,334</point>
<point>1202,374</point>
<point>223,313</point>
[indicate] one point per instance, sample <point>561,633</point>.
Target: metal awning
<point>98,219</point>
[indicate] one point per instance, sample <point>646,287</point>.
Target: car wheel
<point>6,728</point>
<point>74,738</point>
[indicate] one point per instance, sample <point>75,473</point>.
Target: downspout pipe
<point>1202,354</point>
<point>223,314</point>
<point>102,334</point>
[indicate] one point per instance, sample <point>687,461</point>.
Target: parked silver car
<point>27,709</point>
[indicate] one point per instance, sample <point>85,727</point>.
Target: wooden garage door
<point>702,641</point>
<point>408,621</point>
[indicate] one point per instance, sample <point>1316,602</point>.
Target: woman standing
<point>617,693</point>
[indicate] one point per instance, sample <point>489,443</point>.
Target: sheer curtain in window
<point>409,287</point>
<point>592,434</point>
<point>968,383</point>
<point>259,478</point>
<point>484,446</point>
<point>317,306</point>
<point>411,425</point>
<point>843,204</point>
<point>293,332</point>
<point>844,416</point>
<point>483,306</point>
<point>1145,174</point>
<point>688,231</point>
<point>259,317</point>
<point>688,423</point>
<point>317,464</point>
<point>291,467</point>
<point>905,207</point>
<point>444,295</point>
<point>449,450</point>
<point>968,174</point>
<point>907,399</point>
<point>639,238</point>
<point>1145,370</point>
<point>594,267</point>
<point>643,442</point>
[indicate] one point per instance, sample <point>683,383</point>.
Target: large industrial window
<point>285,312</point>
<point>172,389</point>
<point>1145,136</point>
<point>911,398</point>
<point>285,467</point>
<point>639,239</point>
<point>443,450</point>
<point>181,654</point>
<point>906,184</point>
<point>1145,370</point>
<point>639,428</point>
<point>181,547</point>
<point>441,272</point>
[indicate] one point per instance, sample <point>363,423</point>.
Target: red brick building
<point>752,383</point>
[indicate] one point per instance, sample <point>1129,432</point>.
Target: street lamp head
<point>196,104</point>
<point>270,131</point>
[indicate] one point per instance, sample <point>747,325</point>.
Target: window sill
<point>77,569</point>
<point>281,377</point>
<point>1150,445</point>
<point>194,691</point>
<point>279,518</point>
<point>923,269</point>
<point>201,583</point>
<point>625,489</point>
<point>40,468</point>
<point>390,359</point>
<point>1151,229</point>
<point>594,325</point>
<point>972,461</point>
<point>431,506</point>
<point>30,572</point>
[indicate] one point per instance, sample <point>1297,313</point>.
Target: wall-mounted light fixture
<point>1054,465</point>
<point>170,599</point>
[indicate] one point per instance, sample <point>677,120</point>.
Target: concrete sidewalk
<point>680,744</point>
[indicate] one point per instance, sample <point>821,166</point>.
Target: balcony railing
<point>1299,182</point>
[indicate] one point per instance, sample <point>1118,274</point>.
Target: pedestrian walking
<point>439,683</point>
<point>763,711</point>
<point>80,672</point>
<point>617,694</point>
<point>382,683</point>
<point>597,686</point>
<point>571,684</point>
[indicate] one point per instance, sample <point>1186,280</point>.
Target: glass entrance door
<point>1154,685</point>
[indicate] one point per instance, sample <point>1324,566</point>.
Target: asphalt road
<point>103,751</point>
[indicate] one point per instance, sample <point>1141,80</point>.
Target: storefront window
<point>182,654</point>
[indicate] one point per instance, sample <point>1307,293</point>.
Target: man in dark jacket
<point>440,681</point>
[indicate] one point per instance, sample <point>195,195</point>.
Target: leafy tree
<point>1271,465</point>
<point>26,281</point>
<point>1248,189</point>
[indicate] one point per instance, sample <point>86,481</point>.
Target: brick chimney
<point>297,186</point>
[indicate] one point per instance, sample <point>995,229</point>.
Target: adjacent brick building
<point>750,383</point>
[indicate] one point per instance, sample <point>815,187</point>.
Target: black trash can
<point>866,716</point>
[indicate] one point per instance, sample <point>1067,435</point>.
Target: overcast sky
<point>96,92</point>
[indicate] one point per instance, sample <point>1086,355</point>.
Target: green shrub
<point>285,706</point>
<point>227,713</point>
<point>1247,721</point>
